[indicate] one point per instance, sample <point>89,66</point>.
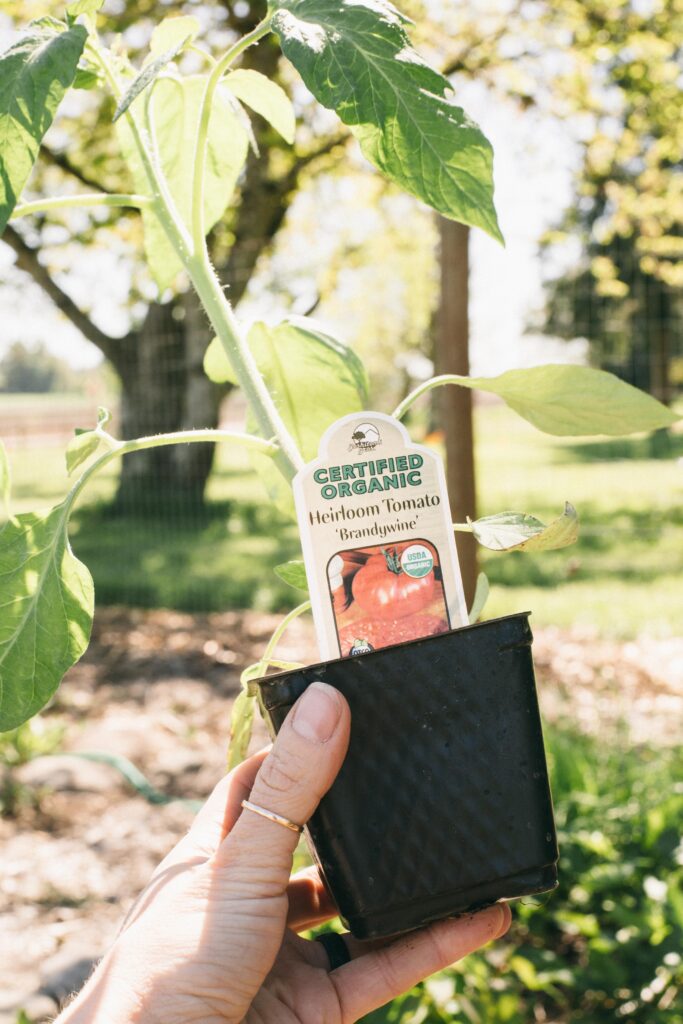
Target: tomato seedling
<point>184,138</point>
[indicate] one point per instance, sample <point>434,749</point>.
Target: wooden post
<point>454,403</point>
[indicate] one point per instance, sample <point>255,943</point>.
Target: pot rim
<point>276,676</point>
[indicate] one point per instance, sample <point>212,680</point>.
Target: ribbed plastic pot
<point>443,803</point>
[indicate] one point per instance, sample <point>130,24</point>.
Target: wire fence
<point>218,548</point>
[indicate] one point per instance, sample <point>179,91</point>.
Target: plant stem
<point>206,284</point>
<point>161,199</point>
<point>422,389</point>
<point>138,444</point>
<point>277,635</point>
<point>217,72</point>
<point>84,199</point>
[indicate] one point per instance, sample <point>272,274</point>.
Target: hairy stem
<point>422,389</point>
<point>219,69</point>
<point>83,199</point>
<point>277,635</point>
<point>196,260</point>
<point>120,448</point>
<point>162,200</point>
<point>206,284</point>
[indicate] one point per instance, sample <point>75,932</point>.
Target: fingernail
<point>496,917</point>
<point>317,713</point>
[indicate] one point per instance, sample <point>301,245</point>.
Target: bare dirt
<point>157,687</point>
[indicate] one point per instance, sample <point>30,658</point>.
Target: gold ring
<point>272,816</point>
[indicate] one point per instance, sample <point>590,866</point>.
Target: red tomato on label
<point>383,590</point>
<point>385,632</point>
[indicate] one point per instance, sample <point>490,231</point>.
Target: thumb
<point>302,765</point>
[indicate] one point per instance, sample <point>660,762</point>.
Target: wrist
<point>106,998</point>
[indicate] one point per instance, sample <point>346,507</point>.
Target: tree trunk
<point>164,388</point>
<point>454,403</point>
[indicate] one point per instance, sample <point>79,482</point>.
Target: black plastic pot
<point>442,804</point>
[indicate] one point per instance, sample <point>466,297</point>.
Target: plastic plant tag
<point>377,538</point>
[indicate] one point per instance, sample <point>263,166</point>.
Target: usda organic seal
<point>417,560</point>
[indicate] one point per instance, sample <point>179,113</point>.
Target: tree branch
<point>28,261</point>
<point>61,160</point>
<point>303,161</point>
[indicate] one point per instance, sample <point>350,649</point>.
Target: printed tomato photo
<point>387,594</point>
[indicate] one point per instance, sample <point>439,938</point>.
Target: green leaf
<point>298,360</point>
<point>148,75</point>
<point>175,110</point>
<point>356,58</point>
<point>83,7</point>
<point>46,597</point>
<point>86,78</point>
<point>568,401</point>
<point>293,573</point>
<point>294,331</point>
<point>48,24</point>
<point>5,484</point>
<point>266,98</point>
<point>481,596</point>
<point>172,32</point>
<point>35,73</point>
<point>242,718</point>
<point>577,400</point>
<point>216,364</point>
<point>80,448</point>
<point>133,776</point>
<point>517,531</point>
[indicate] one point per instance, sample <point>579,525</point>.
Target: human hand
<point>213,938</point>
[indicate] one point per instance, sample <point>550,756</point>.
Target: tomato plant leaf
<point>577,400</point>
<point>83,7</point>
<point>242,718</point>
<point>48,24</point>
<point>264,97</point>
<point>517,531</point>
<point>46,596</point>
<point>568,401</point>
<point>481,596</point>
<point>297,360</point>
<point>172,32</point>
<point>216,364</point>
<point>5,484</point>
<point>80,448</point>
<point>293,573</point>
<point>35,73</point>
<point>356,58</point>
<point>175,110</point>
<point>297,331</point>
<point>86,78</point>
<point>148,75</point>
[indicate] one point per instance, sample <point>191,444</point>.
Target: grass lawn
<point>625,576</point>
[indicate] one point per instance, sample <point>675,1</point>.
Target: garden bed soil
<point>156,687</point>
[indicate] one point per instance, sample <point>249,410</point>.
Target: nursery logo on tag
<point>361,646</point>
<point>365,438</point>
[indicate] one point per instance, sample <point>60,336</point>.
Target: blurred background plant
<point>607,945</point>
<point>36,738</point>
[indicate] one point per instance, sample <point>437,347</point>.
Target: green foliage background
<point>606,946</point>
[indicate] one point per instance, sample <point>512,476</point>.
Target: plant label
<point>377,538</point>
